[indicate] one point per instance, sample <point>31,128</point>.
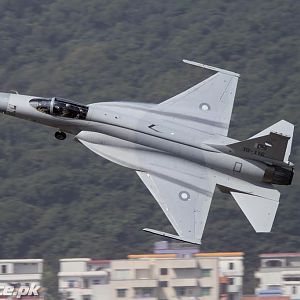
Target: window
<point>60,107</point>
<point>180,291</point>
<point>274,263</point>
<point>237,167</point>
<point>182,273</point>
<point>121,293</point>
<point>86,284</point>
<point>89,268</point>
<point>223,288</point>
<point>205,272</point>
<point>294,291</point>
<point>163,284</point>
<point>291,278</point>
<point>274,287</point>
<point>231,281</point>
<point>144,292</point>
<point>142,274</point>
<point>96,282</point>
<point>3,269</point>
<point>26,268</point>
<point>231,296</point>
<point>257,281</point>
<point>71,283</point>
<point>205,291</point>
<point>42,105</point>
<point>122,274</point>
<point>231,266</point>
<point>164,271</point>
<point>189,291</point>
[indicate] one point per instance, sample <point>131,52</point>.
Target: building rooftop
<point>169,256</point>
<point>98,261</point>
<point>75,259</point>
<point>25,260</point>
<point>266,298</point>
<point>150,256</point>
<point>267,255</point>
<point>219,254</point>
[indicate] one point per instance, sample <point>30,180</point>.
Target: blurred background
<point>61,200</point>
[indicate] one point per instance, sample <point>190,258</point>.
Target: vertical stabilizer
<point>283,128</point>
<point>272,145</point>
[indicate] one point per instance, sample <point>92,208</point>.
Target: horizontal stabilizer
<point>259,211</point>
<point>168,235</point>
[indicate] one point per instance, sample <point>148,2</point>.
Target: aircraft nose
<point>4,97</point>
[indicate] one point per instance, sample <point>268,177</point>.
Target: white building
<point>231,272</point>
<point>279,274</point>
<point>164,276</point>
<point>84,279</point>
<point>21,272</point>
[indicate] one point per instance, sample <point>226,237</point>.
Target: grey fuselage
<point>140,126</point>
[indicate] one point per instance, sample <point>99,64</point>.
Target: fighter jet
<point>179,148</point>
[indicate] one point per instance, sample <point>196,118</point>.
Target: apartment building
<point>174,271</point>
<point>21,272</point>
<point>279,274</point>
<point>164,277</point>
<point>84,279</point>
<point>231,272</point>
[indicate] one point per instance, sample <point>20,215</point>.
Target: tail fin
<point>274,143</point>
<point>283,128</point>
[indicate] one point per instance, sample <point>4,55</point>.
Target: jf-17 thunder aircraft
<point>179,148</point>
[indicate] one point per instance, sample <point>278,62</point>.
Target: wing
<point>185,199</point>
<point>182,188</point>
<point>206,106</point>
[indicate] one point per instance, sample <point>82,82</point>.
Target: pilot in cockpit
<point>65,110</point>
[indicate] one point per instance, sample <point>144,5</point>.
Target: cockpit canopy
<point>60,107</point>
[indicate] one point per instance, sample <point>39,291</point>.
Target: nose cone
<point>4,97</point>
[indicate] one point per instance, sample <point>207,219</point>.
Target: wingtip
<point>194,63</point>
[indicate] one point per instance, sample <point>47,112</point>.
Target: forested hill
<point>60,200</point>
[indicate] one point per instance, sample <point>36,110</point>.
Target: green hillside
<point>59,199</point>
